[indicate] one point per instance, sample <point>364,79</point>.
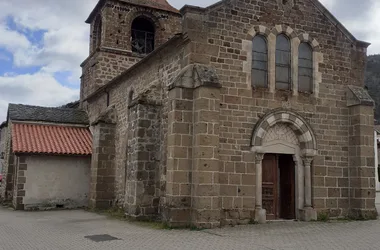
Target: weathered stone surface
<point>189,160</point>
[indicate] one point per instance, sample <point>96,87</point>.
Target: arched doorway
<point>285,146</point>
<point>143,35</point>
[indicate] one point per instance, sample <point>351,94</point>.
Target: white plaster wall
<point>52,180</point>
<point>376,165</point>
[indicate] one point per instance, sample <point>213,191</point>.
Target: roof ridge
<point>35,106</point>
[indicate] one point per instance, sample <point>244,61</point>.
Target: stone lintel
<point>196,75</point>
<point>358,96</point>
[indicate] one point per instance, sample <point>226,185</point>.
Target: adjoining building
<point>240,111</point>
<point>48,157</point>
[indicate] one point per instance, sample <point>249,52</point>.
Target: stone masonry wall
<point>6,189</point>
<point>3,153</point>
<point>115,54</point>
<point>20,178</point>
<point>220,38</point>
<point>102,177</point>
<point>102,67</point>
<point>361,159</point>
<point>143,187</point>
<point>156,74</point>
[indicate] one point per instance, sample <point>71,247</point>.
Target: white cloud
<point>329,4</point>
<point>64,44</point>
<point>12,40</point>
<point>35,89</point>
<point>65,41</point>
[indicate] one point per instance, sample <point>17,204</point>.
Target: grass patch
<point>323,216</point>
<point>253,222</point>
<point>119,214</point>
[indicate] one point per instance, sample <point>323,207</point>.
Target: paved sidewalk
<point>68,229</point>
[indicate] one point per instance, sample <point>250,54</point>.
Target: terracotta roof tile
<point>48,139</point>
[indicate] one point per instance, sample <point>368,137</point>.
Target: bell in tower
<point>123,32</point>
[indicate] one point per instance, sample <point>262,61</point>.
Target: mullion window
<point>305,68</point>
<point>259,62</point>
<point>283,63</point>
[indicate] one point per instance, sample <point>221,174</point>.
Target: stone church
<point>246,110</point>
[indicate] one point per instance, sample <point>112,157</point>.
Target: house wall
<point>3,139</point>
<point>377,155</point>
<point>53,180</point>
<point>8,164</point>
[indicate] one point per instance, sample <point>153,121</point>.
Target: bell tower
<point>122,33</point>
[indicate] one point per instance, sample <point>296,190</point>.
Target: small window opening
<point>108,99</point>
<point>130,97</point>
<point>59,206</point>
<point>142,35</point>
<point>97,33</point>
<point>259,62</point>
<point>305,68</point>
<point>283,62</point>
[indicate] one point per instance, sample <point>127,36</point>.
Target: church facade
<point>241,111</point>
<point>238,112</point>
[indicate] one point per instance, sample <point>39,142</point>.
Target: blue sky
<point>43,42</point>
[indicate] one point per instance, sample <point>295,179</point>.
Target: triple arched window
<point>260,62</point>
<point>305,68</point>
<point>283,61</point>
<point>283,64</point>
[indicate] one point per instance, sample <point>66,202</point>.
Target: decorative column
<point>307,162</point>
<point>300,184</point>
<point>308,213</point>
<point>260,213</point>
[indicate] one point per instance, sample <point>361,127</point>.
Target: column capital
<point>259,157</point>
<point>307,160</point>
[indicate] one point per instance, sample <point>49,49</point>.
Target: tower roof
<point>155,4</point>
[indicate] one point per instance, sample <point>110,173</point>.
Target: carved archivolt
<point>281,131</point>
<point>285,125</point>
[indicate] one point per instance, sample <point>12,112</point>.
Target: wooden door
<point>287,187</point>
<point>269,190</point>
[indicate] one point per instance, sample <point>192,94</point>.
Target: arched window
<point>305,68</point>
<point>259,62</point>
<point>97,33</point>
<point>130,97</point>
<point>283,63</point>
<point>142,35</point>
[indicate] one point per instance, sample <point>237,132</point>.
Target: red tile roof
<point>49,139</point>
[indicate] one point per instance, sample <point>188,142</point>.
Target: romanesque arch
<point>286,132</point>
<point>258,30</point>
<point>303,131</point>
<point>283,29</point>
<point>306,38</point>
